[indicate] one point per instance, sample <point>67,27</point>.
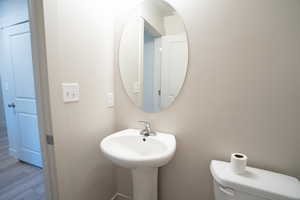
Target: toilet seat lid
<point>258,182</point>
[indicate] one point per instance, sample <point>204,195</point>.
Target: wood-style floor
<point>18,181</point>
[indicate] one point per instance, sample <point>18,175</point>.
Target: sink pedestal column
<point>144,183</point>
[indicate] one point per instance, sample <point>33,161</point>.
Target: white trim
<point>42,95</point>
<point>118,194</point>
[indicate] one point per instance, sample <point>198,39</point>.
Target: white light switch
<point>110,99</point>
<point>70,92</point>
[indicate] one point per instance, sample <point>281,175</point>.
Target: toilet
<point>254,184</point>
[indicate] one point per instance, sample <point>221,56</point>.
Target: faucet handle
<point>146,123</point>
<point>147,130</point>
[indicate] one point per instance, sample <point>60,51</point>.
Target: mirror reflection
<point>153,55</point>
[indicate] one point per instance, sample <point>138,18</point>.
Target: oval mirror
<point>153,55</point>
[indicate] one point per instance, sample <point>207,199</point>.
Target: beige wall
<point>173,25</point>
<point>241,94</point>
<point>79,39</point>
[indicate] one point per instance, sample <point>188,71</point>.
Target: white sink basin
<point>131,150</point>
<point>143,155</point>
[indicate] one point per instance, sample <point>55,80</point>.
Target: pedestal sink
<point>143,155</point>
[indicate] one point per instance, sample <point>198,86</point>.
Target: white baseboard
<point>118,196</point>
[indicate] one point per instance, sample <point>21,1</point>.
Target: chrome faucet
<point>147,129</point>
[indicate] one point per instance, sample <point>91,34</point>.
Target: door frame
<point>39,60</point>
<point>36,18</point>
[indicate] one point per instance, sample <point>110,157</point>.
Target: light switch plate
<point>70,92</point>
<point>110,99</point>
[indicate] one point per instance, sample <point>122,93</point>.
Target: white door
<point>173,67</point>
<point>19,92</point>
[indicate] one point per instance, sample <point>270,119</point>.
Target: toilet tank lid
<point>258,182</point>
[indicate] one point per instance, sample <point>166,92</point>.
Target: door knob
<point>12,105</point>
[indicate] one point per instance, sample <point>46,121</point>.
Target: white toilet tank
<point>254,184</point>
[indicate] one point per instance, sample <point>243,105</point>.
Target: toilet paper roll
<point>238,163</point>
